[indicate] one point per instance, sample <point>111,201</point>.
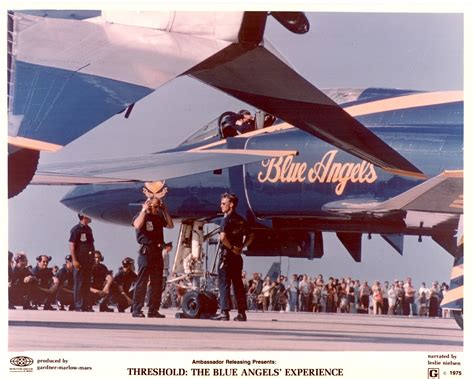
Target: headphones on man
<point>101,259</point>
<point>127,261</point>
<point>81,216</point>
<point>38,258</point>
<point>19,257</point>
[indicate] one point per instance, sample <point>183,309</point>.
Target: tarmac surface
<point>61,330</point>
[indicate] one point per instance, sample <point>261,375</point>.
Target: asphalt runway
<point>53,330</point>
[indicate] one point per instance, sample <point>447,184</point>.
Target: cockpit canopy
<point>230,124</point>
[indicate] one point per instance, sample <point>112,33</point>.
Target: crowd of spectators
<point>301,293</point>
<point>51,288</point>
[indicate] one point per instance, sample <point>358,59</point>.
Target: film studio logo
<point>433,373</point>
<point>21,364</point>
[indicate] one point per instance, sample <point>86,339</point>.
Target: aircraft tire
<point>21,169</point>
<point>192,304</point>
<point>458,317</point>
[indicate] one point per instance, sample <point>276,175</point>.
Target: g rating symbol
<point>433,373</point>
<point>21,361</point>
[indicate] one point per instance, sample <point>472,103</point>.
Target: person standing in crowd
<point>234,237</point>
<point>292,289</point>
<point>409,307</point>
<point>392,299</point>
<point>422,304</point>
<point>149,224</point>
<point>65,278</point>
<point>331,300</point>
<point>266,293</point>
<point>377,298</point>
<point>81,247</point>
<point>364,297</point>
<point>166,272</point>
<point>305,290</point>
<point>434,300</point>
<point>400,298</point>
<point>424,289</point>
<point>351,297</point>
<point>385,289</point>
<point>166,262</point>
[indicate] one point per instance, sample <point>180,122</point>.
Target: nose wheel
<point>198,304</point>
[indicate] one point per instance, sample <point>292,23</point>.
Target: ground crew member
<point>65,277</point>
<point>81,247</point>
<point>234,237</point>
<point>148,224</point>
<point>123,285</point>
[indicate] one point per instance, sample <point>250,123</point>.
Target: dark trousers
<point>65,297</point>
<point>20,294</point>
<point>230,273</point>
<point>41,295</point>
<point>115,296</point>
<point>150,268</point>
<point>82,280</point>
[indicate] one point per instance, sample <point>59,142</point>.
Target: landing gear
<point>200,300</point>
<point>458,317</point>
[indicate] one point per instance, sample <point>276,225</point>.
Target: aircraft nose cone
<point>103,202</point>
<point>74,199</point>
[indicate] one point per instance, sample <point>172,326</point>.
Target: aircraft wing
<point>259,77</point>
<point>442,194</point>
<point>160,166</point>
<point>434,208</point>
<point>71,71</point>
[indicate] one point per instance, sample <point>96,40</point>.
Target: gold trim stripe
<point>275,153</point>
<point>413,174</point>
<point>404,102</point>
<point>457,271</point>
<point>28,143</point>
<point>453,295</point>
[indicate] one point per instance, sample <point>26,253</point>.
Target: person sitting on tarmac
<point>21,282</point>
<point>65,278</point>
<point>100,282</point>
<point>121,290</point>
<point>45,284</point>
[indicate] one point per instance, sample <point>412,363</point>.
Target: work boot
<point>223,316</point>
<point>156,315</point>
<point>139,314</point>
<point>240,317</point>
<point>105,308</point>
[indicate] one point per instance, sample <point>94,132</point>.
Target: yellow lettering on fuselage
<point>327,170</point>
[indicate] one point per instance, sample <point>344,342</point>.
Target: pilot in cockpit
<point>245,122</point>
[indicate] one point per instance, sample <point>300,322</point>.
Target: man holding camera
<point>148,224</point>
<point>234,237</point>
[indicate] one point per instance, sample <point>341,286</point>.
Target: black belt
<point>158,244</point>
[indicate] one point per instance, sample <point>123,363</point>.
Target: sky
<point>415,51</point>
